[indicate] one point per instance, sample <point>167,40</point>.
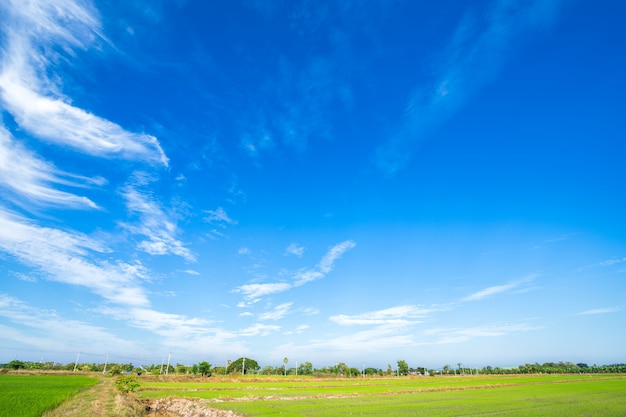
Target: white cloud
<point>253,144</point>
<point>258,330</point>
<point>295,249</point>
<point>301,328</point>
<point>612,262</point>
<point>395,316</point>
<point>67,257</point>
<point>255,291</point>
<point>327,263</point>
<point>166,324</point>
<point>458,335</point>
<point>37,33</point>
<point>487,292</point>
<point>600,311</point>
<point>377,339</point>
<point>475,53</point>
<point>497,289</point>
<point>47,328</point>
<point>278,313</point>
<point>159,228</point>
<point>219,217</point>
<point>27,178</point>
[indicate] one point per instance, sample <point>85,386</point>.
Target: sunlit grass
<point>32,395</point>
<point>536,395</point>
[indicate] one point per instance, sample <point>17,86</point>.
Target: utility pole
<point>106,362</point>
<point>167,370</point>
<point>76,363</point>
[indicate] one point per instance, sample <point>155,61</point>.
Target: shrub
<point>127,384</point>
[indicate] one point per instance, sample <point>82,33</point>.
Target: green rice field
<point>525,395</point>
<point>535,395</point>
<point>32,395</point>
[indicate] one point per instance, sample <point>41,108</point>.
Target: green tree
<point>305,368</point>
<point>251,366</point>
<point>372,371</point>
<point>181,369</point>
<point>403,367</point>
<point>204,368</point>
<point>15,364</point>
<point>267,370</point>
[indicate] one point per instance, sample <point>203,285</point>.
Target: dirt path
<point>103,400</point>
<point>91,402</point>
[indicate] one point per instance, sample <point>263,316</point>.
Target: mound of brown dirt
<point>178,407</point>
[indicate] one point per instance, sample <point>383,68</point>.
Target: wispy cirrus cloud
<point>252,292</point>
<point>498,289</point>
<point>277,313</point>
<point>477,50</point>
<point>596,311</point>
<point>38,34</point>
<point>258,329</point>
<point>488,292</point>
<point>50,329</point>
<point>67,257</point>
<point>295,249</point>
<point>219,217</point>
<point>377,339</point>
<point>27,178</point>
<point>256,291</point>
<point>167,324</point>
<point>399,315</point>
<point>459,335</point>
<point>611,262</point>
<point>159,228</point>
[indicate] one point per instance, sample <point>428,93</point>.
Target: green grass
<point>32,395</point>
<point>536,395</point>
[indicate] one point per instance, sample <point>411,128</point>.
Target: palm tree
<point>285,362</point>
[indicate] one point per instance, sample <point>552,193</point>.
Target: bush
<point>127,384</point>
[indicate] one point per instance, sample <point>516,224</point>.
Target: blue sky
<point>350,181</point>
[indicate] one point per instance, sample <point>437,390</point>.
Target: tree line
<point>250,366</point>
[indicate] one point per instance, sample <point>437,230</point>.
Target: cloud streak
<point>67,257</point>
<point>55,332</point>
<point>488,292</point>
<point>497,289</point>
<point>159,229</point>
<point>400,315</point>
<point>252,292</point>
<point>474,55</point>
<point>31,94</point>
<point>600,311</point>
<point>27,178</point>
<point>457,335</point>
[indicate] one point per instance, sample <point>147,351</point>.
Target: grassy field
<point>32,395</point>
<point>536,395</point>
<point>532,395</point>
